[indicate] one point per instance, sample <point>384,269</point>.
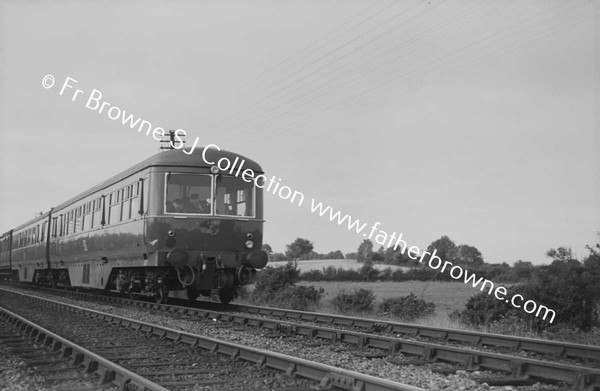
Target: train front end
<point>205,224</point>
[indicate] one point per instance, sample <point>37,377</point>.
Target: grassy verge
<point>447,296</point>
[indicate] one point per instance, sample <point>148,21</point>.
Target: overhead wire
<point>487,37</point>
<point>314,45</point>
<point>311,98</point>
<point>373,60</point>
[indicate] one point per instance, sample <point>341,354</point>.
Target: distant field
<point>447,296</point>
<point>319,264</point>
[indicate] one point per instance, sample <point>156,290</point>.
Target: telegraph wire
<point>311,45</point>
<point>404,74</point>
<point>328,54</point>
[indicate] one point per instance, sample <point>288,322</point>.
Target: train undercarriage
<point>157,282</point>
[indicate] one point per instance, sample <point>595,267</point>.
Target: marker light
<point>214,169</point>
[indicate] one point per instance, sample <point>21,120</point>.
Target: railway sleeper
<point>508,381</point>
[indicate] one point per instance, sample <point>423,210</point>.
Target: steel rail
<point>519,367</point>
<point>475,338</point>
<point>325,374</point>
<point>108,371</point>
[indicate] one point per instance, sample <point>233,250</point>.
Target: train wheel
<point>192,294</point>
<point>132,296</point>
<point>161,295</point>
<point>226,295</point>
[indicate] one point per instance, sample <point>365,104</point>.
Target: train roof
<point>173,157</point>
<point>40,217</point>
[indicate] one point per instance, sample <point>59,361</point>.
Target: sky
<point>473,119</point>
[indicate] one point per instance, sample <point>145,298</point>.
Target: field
<point>319,264</point>
<point>447,296</point>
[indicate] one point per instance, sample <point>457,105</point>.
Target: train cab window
<point>189,193</point>
<point>234,197</point>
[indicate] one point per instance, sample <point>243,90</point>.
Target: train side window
<point>78,219</point>
<point>43,237</point>
<point>74,220</point>
<point>84,211</point>
<point>93,215</point>
<point>69,228</point>
<point>87,216</point>
<point>134,205</point>
<point>124,196</point>
<point>113,209</point>
<point>97,213</point>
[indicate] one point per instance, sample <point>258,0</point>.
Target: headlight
<point>249,244</point>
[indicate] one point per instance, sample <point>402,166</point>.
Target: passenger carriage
<point>174,221</point>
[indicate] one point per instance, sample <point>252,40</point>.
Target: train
<point>176,221</point>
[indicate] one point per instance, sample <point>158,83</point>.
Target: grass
<point>447,296</point>
<point>319,264</point>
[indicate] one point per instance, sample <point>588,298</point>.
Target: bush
<point>407,307</point>
<point>272,280</point>
<point>302,298</point>
<point>483,309</point>
<point>275,286</point>
<point>361,300</point>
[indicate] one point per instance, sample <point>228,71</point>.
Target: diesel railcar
<point>175,221</point>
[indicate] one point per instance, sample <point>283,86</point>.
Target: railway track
<point>63,364</point>
<point>178,360</point>
<point>554,349</point>
<point>521,370</point>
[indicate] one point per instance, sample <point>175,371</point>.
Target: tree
<point>335,255</point>
<point>562,254</point>
<point>466,255</point>
<point>395,256</point>
<point>522,270</point>
<point>365,250</point>
<point>443,248</point>
<point>266,248</point>
<point>298,248</point>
